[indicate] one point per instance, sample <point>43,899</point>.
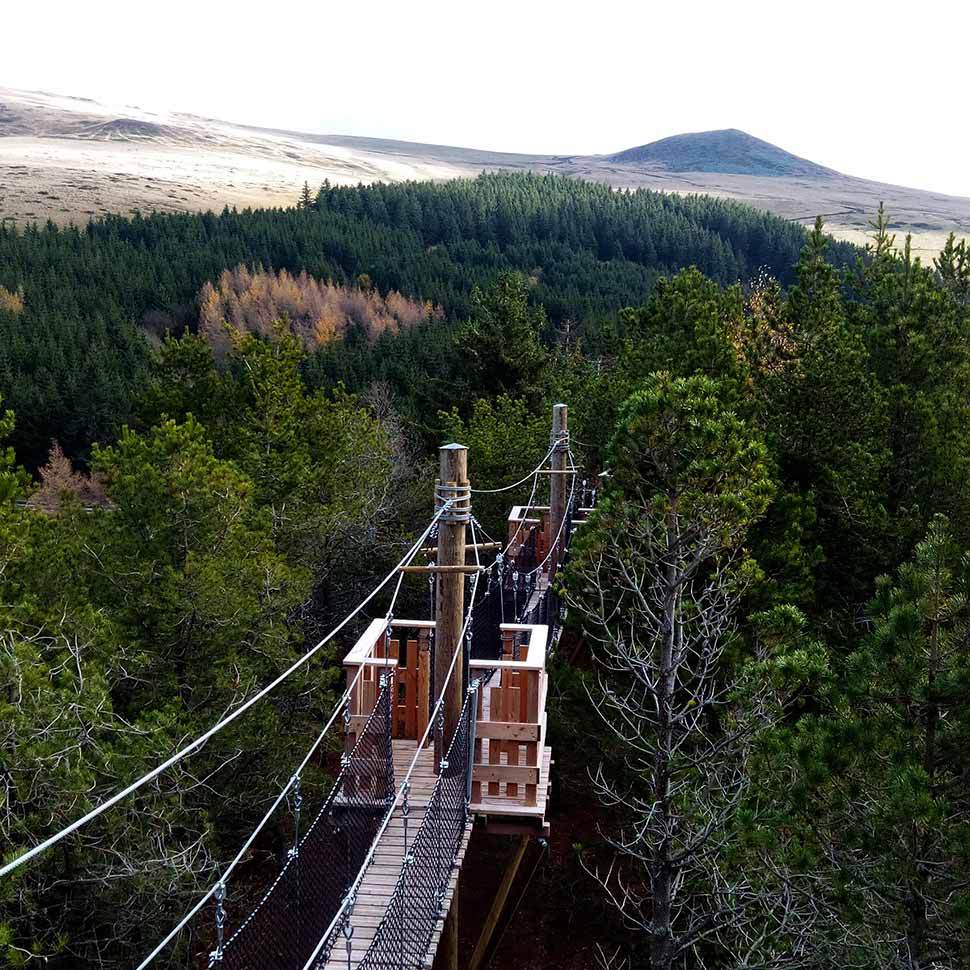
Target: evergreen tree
<point>501,346</point>
<point>656,579</point>
<point>884,769</point>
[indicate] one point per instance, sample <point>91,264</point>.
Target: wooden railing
<point>510,731</point>
<point>522,519</point>
<point>408,659</point>
<point>508,773</point>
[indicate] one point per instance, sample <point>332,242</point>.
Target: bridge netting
<point>303,900</point>
<point>404,936</point>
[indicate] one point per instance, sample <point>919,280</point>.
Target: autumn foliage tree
<point>255,301</point>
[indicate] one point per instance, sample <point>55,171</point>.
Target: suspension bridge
<point>443,724</point>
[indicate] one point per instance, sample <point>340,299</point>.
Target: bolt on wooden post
<point>450,586</point>
<point>557,484</point>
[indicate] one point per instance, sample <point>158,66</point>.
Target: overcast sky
<point>854,84</point>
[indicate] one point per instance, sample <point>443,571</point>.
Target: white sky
<point>861,86</point>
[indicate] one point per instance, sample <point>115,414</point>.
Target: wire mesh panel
<point>417,903</point>
<point>486,620</point>
<point>283,929</point>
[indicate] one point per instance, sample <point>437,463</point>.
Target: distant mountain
<point>728,152</point>
<point>70,159</point>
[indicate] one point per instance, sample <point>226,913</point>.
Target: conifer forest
<point>218,431</point>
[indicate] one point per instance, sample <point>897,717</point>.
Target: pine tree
<point>306,200</point>
<point>953,268</point>
<point>656,581</point>
<point>884,769</point>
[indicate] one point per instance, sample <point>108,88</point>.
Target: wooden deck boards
<point>380,879</point>
<point>500,805</point>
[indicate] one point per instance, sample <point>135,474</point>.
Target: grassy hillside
<point>729,151</point>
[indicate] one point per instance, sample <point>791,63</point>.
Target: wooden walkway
<point>378,883</point>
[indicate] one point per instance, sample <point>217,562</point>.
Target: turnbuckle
<point>215,956</point>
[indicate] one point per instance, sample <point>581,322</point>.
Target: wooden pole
<point>484,948</point>
<point>557,483</point>
<point>449,615</point>
<point>469,547</point>
<point>465,570</point>
<point>450,599</point>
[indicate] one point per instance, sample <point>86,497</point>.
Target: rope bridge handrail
<point>435,727</point>
<point>417,902</point>
<point>306,895</point>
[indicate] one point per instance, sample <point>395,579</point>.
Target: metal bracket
<point>215,956</point>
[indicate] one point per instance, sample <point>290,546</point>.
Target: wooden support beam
<point>483,947</point>
<point>507,731</point>
<point>450,587</point>
<point>557,484</point>
<point>470,568</point>
<point>448,944</point>
<point>511,774</point>
<point>469,547</point>
<point>449,616</point>
<point>424,682</point>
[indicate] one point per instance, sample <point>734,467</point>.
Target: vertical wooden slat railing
<point>408,659</point>
<point>511,727</point>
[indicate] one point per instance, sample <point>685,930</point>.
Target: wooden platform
<point>498,808</point>
<point>379,881</point>
<point>502,805</point>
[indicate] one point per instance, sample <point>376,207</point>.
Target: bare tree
<point>657,582</point>
<point>59,479</point>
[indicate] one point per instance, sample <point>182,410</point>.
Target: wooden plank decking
<point>379,881</point>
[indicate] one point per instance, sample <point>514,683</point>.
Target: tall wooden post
<point>557,482</point>
<point>450,600</point>
<point>449,616</point>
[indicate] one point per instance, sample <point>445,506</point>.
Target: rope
<point>482,529</point>
<point>555,543</point>
<point>525,513</point>
<point>252,838</point>
<point>521,481</point>
<point>221,881</point>
<point>238,712</point>
<point>460,499</point>
<point>352,891</point>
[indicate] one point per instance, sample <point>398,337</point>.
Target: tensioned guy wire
<point>521,481</point>
<point>351,892</point>
<point>238,712</point>
<point>221,881</point>
<point>525,513</point>
<point>555,542</point>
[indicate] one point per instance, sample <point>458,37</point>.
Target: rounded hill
<point>728,151</point>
